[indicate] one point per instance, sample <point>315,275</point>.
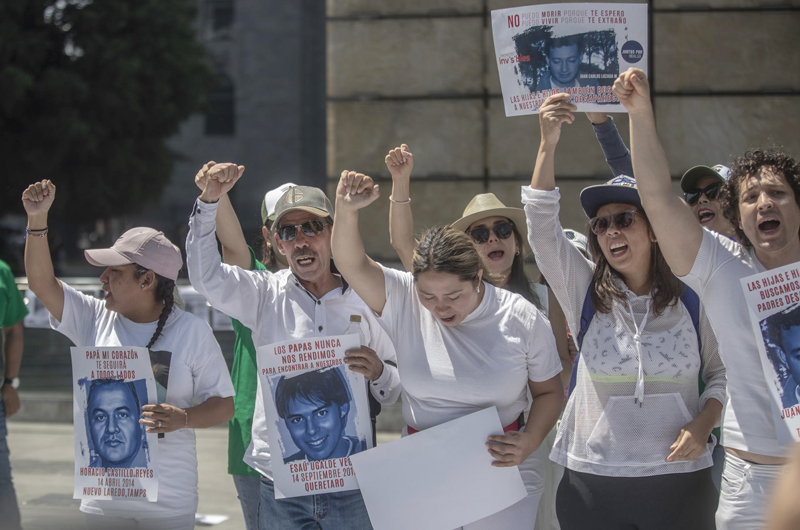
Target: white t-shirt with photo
<point>450,371</point>
<point>747,421</point>
<point>197,372</point>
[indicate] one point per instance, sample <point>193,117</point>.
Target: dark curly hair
<point>667,288</point>
<point>751,164</point>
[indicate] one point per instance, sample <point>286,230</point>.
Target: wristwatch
<point>11,381</point>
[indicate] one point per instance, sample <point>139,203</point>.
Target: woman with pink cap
<point>138,310</point>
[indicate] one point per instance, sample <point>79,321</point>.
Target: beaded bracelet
<point>41,232</point>
<point>186,424</point>
<point>400,202</point>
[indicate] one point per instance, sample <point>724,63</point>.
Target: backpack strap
<point>587,314</point>
<point>691,301</point>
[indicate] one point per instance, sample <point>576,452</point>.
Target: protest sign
<point>576,48</point>
<point>115,459</point>
<point>317,414</point>
<point>441,477</point>
<point>773,300</point>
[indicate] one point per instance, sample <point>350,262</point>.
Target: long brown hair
<point>666,290</point>
<point>518,281</point>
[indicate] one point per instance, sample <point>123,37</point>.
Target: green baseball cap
<point>690,179</point>
<point>303,198</point>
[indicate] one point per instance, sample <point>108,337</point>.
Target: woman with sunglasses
<point>138,310</point>
<point>634,437</point>
<point>462,344</point>
<point>701,186</point>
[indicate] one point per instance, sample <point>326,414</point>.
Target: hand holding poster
<point>773,299</point>
<point>317,414</point>
<point>575,48</point>
<point>115,459</point>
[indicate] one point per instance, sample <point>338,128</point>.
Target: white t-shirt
<point>450,371</point>
<point>197,372</point>
<point>276,307</point>
<point>719,265</point>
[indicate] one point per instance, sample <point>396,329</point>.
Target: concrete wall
<point>725,73</point>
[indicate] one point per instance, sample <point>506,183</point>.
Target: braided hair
<point>164,290</point>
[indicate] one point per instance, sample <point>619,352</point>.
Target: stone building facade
<point>725,77</point>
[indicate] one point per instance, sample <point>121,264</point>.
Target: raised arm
<point>401,222</point>
<point>37,199</point>
<point>618,157</point>
<point>555,111</point>
<point>229,231</point>
<point>678,232</point>
<point>354,192</point>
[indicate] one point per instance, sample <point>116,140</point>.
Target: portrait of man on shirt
<point>112,416</point>
<point>784,333</point>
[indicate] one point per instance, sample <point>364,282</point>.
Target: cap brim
<point>595,197</point>
<point>516,215</point>
<point>310,209</point>
<point>105,257</point>
<point>691,178</point>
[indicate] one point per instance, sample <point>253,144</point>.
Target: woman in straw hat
<point>138,310</point>
<point>635,435</point>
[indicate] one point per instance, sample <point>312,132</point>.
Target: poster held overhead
<point>115,459</point>
<point>441,477</point>
<point>773,301</point>
<point>317,414</point>
<point>580,49</point>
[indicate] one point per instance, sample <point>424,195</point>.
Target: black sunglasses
<point>309,228</point>
<point>621,220</point>
<point>711,192</point>
<point>501,230</point>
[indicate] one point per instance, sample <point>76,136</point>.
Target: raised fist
<point>355,191</point>
<point>400,162</point>
<point>37,198</point>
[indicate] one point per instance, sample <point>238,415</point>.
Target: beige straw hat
<point>488,205</point>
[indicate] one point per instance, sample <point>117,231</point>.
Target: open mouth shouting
<point>705,215</point>
<point>618,248</point>
<point>304,258</point>
<point>496,255</point>
<point>768,227</point>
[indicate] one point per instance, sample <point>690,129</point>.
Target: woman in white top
<point>138,310</point>
<point>635,433</point>
<point>462,345</point>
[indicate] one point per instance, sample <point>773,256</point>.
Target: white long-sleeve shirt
<point>277,308</point>
<point>604,430</point>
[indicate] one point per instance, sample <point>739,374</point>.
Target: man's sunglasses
<point>711,192</point>
<point>621,220</point>
<point>501,230</point>
<point>309,228</point>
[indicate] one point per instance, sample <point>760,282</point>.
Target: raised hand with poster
<point>579,49</point>
<point>115,458</point>
<point>317,414</point>
<point>773,300</point>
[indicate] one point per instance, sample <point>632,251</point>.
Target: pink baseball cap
<point>143,246</point>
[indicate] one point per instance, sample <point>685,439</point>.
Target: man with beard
<point>310,299</point>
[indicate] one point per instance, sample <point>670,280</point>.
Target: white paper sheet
<point>439,478</point>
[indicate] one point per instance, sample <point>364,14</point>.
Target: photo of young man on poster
<point>315,407</point>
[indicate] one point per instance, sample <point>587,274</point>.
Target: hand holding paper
<point>512,448</point>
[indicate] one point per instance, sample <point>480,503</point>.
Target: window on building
<point>221,113</point>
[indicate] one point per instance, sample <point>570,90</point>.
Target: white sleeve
<point>714,251</point>
<point>227,288</point>
<point>79,317</point>
<point>386,388</point>
<point>543,360</point>
<point>713,368</point>
<point>399,297</point>
<point>209,371</point>
<point>567,272</point>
